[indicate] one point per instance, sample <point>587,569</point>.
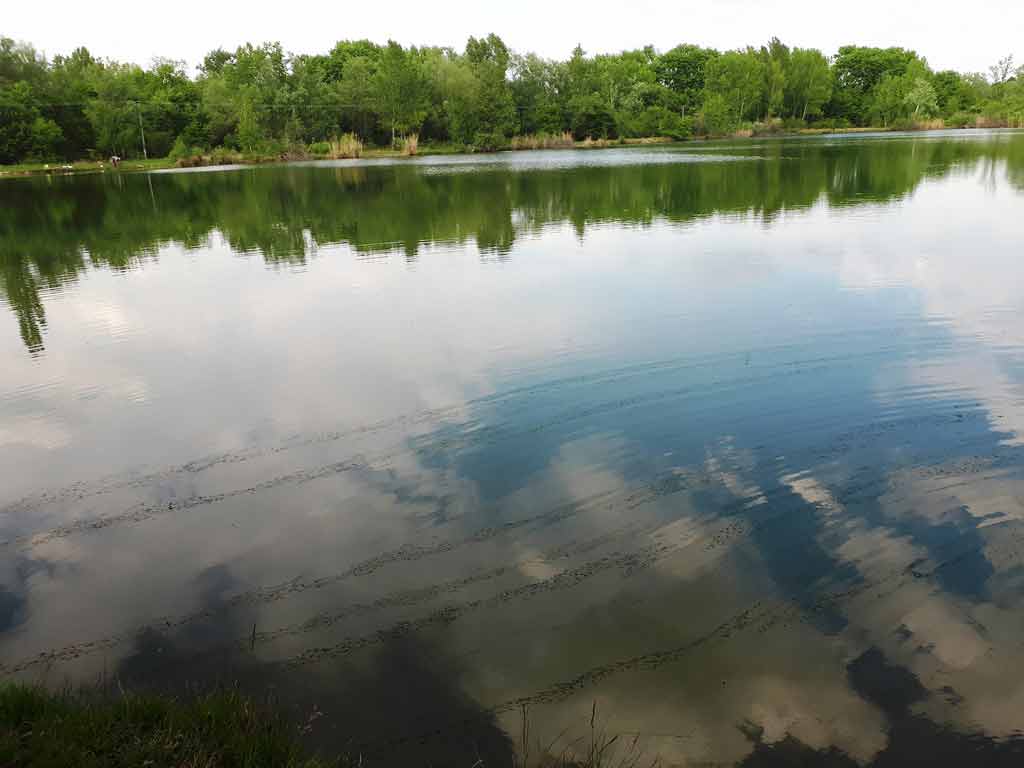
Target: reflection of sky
<point>691,475</point>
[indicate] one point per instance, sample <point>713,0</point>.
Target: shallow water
<point>713,448</point>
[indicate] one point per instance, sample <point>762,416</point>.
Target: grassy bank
<point>108,728</point>
<point>517,144</point>
<point>94,730</point>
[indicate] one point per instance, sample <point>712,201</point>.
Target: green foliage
<point>922,98</point>
<point>591,118</point>
<point>659,121</point>
<point>808,83</point>
<point>24,132</point>
<point>401,93</point>
<point>718,117</point>
<point>682,70</point>
<point>258,99</point>
<point>735,80</point>
<point>858,71</point>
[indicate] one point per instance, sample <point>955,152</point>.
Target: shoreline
<point>216,159</point>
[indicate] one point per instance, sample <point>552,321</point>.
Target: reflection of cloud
<point>725,467</point>
<point>946,634</point>
<point>38,433</point>
<point>964,283</point>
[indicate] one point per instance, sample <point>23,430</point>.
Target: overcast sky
<point>950,33</point>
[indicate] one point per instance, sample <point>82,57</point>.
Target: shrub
<point>659,121</point>
<point>487,141</point>
<point>961,120</point>
<point>320,148</point>
<point>770,127</point>
<point>591,118</point>
<point>717,118</point>
<point>903,124</point>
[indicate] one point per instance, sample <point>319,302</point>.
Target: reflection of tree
<point>20,288</point>
<point>47,225</point>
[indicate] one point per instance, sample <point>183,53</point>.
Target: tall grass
<point>591,143</point>
<point>348,145</point>
<point>104,727</point>
<point>595,749</point>
<point>543,140</point>
<point>107,730</point>
<point>411,144</point>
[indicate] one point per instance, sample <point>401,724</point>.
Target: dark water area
<point>715,448</point>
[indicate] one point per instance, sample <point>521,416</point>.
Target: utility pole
<point>142,133</point>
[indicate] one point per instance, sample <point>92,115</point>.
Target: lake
<point>711,452</point>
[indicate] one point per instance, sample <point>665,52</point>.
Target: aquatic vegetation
<point>410,145</point>
<point>543,140</point>
<point>346,146</point>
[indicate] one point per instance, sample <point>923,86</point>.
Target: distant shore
<point>519,144</point>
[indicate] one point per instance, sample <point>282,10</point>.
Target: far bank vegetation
<point>361,97</point>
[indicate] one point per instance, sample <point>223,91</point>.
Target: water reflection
<point>724,457</point>
<point>52,228</point>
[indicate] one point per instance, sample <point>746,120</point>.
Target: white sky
<point>950,33</point>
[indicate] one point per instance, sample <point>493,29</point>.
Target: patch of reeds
<point>346,146</point>
<point>591,143</point>
<point>999,121</point>
<point>543,140</point>
<point>594,749</point>
<point>645,140</point>
<point>411,144</point>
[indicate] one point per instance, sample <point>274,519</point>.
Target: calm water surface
<point>718,446</point>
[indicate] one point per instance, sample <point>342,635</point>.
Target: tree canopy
<point>260,98</point>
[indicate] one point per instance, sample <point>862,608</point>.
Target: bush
<point>659,121</point>
<point>180,149</point>
<point>770,127</point>
<point>485,141</point>
<point>319,148</point>
<point>591,118</point>
<point>717,119</point>
<point>961,120</point>
<point>903,124</point>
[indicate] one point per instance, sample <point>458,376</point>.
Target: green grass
<point>83,166</point>
<point>103,727</point>
<point>113,730</point>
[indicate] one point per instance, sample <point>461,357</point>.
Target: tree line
<point>260,99</point>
